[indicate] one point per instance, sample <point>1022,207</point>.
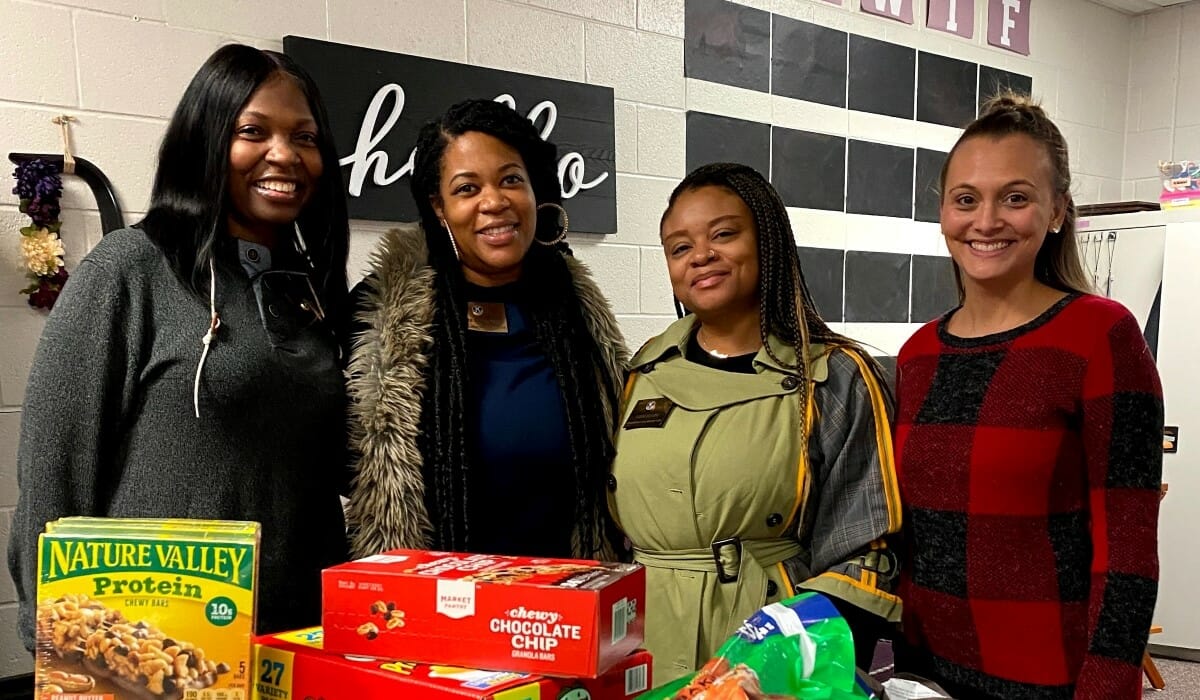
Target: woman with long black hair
<point>190,369</point>
<point>485,364</point>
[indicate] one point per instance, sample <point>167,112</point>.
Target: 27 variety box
<point>295,666</point>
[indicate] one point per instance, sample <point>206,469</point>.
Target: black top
<point>741,364</point>
<point>524,495</point>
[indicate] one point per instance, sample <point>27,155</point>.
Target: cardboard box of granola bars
<point>294,666</point>
<point>152,610</point>
<point>558,617</point>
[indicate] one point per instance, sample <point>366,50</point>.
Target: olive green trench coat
<point>733,494</point>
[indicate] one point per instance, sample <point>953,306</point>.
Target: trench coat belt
<point>728,557</point>
<point>734,561</point>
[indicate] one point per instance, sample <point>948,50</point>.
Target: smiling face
<point>486,199</point>
<point>998,205</point>
<point>711,246</point>
<point>274,161</point>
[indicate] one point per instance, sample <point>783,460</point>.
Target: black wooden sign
<point>378,100</point>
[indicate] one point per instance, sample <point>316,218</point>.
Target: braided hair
<point>785,306</point>
<point>1008,113</point>
<point>546,290</point>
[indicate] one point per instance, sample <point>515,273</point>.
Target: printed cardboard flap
<point>577,574</point>
<point>238,530</point>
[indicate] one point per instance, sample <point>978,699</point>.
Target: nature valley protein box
<point>558,617</point>
<point>143,609</point>
<point>295,666</point>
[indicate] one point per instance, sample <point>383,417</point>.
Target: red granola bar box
<point>294,666</point>
<point>559,617</point>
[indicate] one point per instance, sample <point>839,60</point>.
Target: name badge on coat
<point>486,317</point>
<point>650,413</point>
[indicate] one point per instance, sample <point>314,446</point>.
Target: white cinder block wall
<point>1164,99</point>
<point>119,66</point>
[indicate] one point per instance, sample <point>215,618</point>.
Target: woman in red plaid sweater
<point>1029,442</point>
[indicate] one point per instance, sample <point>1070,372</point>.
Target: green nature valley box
<point>146,610</point>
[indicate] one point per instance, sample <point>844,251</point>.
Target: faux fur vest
<point>387,378</point>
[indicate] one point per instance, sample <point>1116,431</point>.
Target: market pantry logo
<point>455,599</point>
<point>378,100</point>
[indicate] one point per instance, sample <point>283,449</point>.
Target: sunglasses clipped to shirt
<point>288,295</point>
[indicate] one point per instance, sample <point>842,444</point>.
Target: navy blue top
<point>525,498</point>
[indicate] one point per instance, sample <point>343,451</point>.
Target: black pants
<point>867,628</point>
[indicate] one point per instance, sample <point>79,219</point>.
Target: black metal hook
<point>111,218</point>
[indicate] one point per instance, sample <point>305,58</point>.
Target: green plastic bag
<point>796,648</point>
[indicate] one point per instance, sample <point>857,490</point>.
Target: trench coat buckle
<point>720,546</point>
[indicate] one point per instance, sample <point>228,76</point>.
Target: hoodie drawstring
<point>213,324</point>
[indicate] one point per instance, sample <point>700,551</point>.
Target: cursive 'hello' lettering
<point>366,160</point>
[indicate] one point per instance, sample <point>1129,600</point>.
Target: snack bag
<point>796,648</point>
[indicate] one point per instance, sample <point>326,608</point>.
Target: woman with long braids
<point>485,365</point>
<point>754,453</point>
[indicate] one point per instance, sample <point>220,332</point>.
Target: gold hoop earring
<point>565,222</point>
<point>450,234</point>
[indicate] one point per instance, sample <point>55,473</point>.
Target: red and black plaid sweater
<point>1030,463</point>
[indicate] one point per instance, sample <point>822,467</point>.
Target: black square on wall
<point>927,195</point>
<point>993,81</point>
<point>808,62</point>
<point>727,43</point>
<point>881,77</point>
<point>809,169</point>
<point>714,139</point>
<point>877,287</point>
<point>889,370</point>
<point>945,90</point>
<point>933,289</point>
<point>879,179</point>
<point>822,269</point>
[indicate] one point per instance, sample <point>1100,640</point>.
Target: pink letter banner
<point>952,16</point>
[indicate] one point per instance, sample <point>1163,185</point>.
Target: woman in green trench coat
<point>754,457</point>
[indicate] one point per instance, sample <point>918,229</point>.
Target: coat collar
<point>673,341</point>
